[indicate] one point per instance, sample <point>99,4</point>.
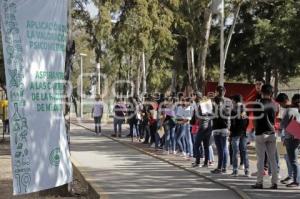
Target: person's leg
<point>271,153</point>
<point>230,149</point>
<point>219,150</point>
<point>115,126</point>
<point>189,141</point>
<point>173,138</point>
<point>260,153</point>
<point>130,129</point>
<point>206,142</point>
<point>292,150</point>
<point>99,124</point>
<point>198,141</point>
<point>167,137</point>
<point>288,166</point>
<point>96,125</point>
<point>244,153</point>
<point>180,134</point>
<point>120,122</point>
<point>147,133</point>
<point>241,151</point>
<point>224,152</point>
<point>235,142</point>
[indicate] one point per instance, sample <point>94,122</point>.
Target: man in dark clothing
<point>221,123</point>
<point>265,116</point>
<point>238,137</point>
<point>204,133</point>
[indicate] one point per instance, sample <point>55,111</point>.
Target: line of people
<point>182,126</point>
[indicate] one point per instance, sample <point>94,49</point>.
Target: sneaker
<point>247,174</point>
<point>113,135</point>
<point>257,186</point>
<point>194,164</point>
<point>166,152</point>
<point>211,164</point>
<point>119,135</point>
<point>224,171</point>
<point>152,145</point>
<point>216,171</point>
<point>293,185</point>
<point>234,174</point>
<point>286,180</point>
<point>174,152</point>
<point>241,167</point>
<point>230,167</point>
<point>274,186</point>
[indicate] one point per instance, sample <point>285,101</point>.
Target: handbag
<point>294,129</point>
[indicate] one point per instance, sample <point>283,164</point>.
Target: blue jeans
<point>221,144</point>
<point>202,136</point>
<point>236,142</point>
<point>189,141</point>
<point>170,141</point>
<point>118,126</point>
<point>292,151</point>
<point>181,134</point>
<point>288,165</point>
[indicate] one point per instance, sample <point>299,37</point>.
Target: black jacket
<point>239,122</point>
<point>222,110</point>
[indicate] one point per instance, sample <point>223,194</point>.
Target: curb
<point>240,193</point>
<point>92,193</point>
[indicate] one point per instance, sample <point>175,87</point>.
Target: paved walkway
<point>117,171</point>
<point>241,184</point>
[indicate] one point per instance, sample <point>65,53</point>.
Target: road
<point>117,171</point>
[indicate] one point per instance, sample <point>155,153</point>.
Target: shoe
<point>113,135</point>
<point>128,136</point>
<point>257,186</point>
<point>194,164</point>
<point>293,185</point>
<point>224,171</point>
<point>241,167</point>
<point>274,186</point>
<point>166,152</point>
<point>211,164</point>
<point>286,180</point>
<point>145,142</point>
<point>234,174</point>
<point>119,135</point>
<point>247,174</point>
<point>216,171</point>
<point>230,167</point>
<point>174,152</point>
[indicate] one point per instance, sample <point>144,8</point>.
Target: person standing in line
<point>119,118</point>
<point>180,126</point>
<point>132,118</point>
<point>291,143</point>
<point>203,135</point>
<point>221,124</point>
<point>238,137</point>
<point>265,115</point>
<point>97,113</point>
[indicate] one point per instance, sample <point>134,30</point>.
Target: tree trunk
<point>236,15</point>
<point>144,73</point>
<point>276,82</point>
<point>194,80</point>
<point>138,79</point>
<point>174,74</point>
<point>268,75</point>
<point>189,61</point>
<point>201,66</point>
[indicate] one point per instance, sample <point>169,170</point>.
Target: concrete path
<point>117,171</point>
<point>240,184</point>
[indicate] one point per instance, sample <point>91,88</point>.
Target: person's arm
<point>93,111</point>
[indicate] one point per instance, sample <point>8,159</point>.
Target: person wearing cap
<point>97,113</point>
<point>204,133</point>
<point>222,107</point>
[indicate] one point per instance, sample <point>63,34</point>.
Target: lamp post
<point>81,82</point>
